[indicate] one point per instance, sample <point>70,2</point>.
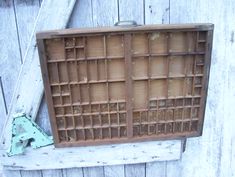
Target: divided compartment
<point>140,43</point>
<point>176,87</point>
<point>55,49</point>
<point>140,67</point>
<point>140,96</point>
<point>158,66</point>
<point>177,66</point>
<point>158,42</point>
<point>158,88</point>
<point>95,46</point>
<point>178,42</point>
<point>88,79</point>
<point>116,69</point>
<point>115,45</point>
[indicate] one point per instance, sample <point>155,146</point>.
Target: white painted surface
<point>173,168</point>
<point>105,12</point>
<point>114,170</point>
<point>32,173</point>
<point>12,173</point>
<point>42,117</point>
<point>156,169</point>
<point>25,22</point>
<point>132,10</point>
<point>52,173</point>
<point>73,172</point>
<point>93,171</point>
<point>210,155</point>
<point>135,170</point>
<point>82,15</point>
<point>157,12</point>
<point>56,158</point>
<point>29,87</point>
<point>10,58</point>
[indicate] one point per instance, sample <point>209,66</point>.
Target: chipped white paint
<point>211,154</point>
<point>114,170</point>
<point>105,12</point>
<point>10,58</point>
<point>56,158</point>
<point>25,22</point>
<point>132,10</point>
<point>29,87</point>
<point>157,12</point>
<point>135,170</point>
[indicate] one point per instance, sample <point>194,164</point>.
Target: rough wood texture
<point>132,10</point>
<point>146,18</point>
<point>215,146</point>
<point>157,169</point>
<point>73,172</point>
<point>30,75</point>
<point>104,9</point>
<point>82,15</point>
<point>85,10</point>
<point>52,173</point>
<point>16,16</point>
<point>10,58</point>
<point>172,168</point>
<point>135,170</point>
<point>3,109</point>
<point>51,158</point>
<point>32,173</point>
<point>157,12</point>
<point>42,117</point>
<point>9,173</point>
<point>93,172</point>
<point>9,52</point>
<point>117,171</point>
<point>24,21</point>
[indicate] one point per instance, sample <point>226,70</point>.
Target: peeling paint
<point>5,3</point>
<point>232,37</point>
<point>150,9</point>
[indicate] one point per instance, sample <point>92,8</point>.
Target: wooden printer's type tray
<point>124,84</point>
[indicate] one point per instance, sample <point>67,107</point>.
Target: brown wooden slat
<point>129,97</point>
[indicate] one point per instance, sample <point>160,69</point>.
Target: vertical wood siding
<point>211,155</point>
<point>16,21</point>
<point>10,56</point>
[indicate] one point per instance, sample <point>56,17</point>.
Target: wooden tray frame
<point>126,31</point>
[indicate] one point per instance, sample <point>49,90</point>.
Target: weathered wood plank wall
<point>10,56</point>
<point>212,154</point>
<point>16,23</point>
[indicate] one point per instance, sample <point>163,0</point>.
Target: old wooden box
<point>124,84</point>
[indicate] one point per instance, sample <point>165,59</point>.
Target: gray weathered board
<point>211,155</point>
<point>10,57</point>
<point>29,88</point>
<point>117,154</point>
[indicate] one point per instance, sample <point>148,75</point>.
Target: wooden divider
<point>121,85</point>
